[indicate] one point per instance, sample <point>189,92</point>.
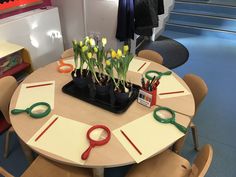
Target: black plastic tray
<point>100,101</point>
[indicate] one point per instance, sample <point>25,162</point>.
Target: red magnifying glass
<point>100,140</point>
<point>64,67</point>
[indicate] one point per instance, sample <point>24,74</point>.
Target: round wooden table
<point>112,154</point>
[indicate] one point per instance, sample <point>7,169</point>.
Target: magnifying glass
<point>166,115</point>
<point>37,110</point>
<point>97,135</point>
<point>150,74</point>
<point>64,67</point>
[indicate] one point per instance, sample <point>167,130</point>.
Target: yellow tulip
<point>104,41</point>
<point>95,49</point>
<point>126,49</point>
<point>89,54</point>
<point>86,39</point>
<point>84,48</point>
<point>92,42</point>
<point>74,42</point>
<point>118,54</point>
<point>80,43</point>
<point>108,62</point>
<point>113,54</point>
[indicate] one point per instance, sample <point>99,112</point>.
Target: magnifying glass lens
<point>153,74</point>
<point>39,109</point>
<point>65,67</point>
<point>98,134</point>
<point>164,114</point>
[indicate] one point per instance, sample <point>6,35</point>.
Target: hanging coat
<point>146,15</point>
<point>125,20</point>
<point>160,8</point>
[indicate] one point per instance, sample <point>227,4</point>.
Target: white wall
<point>72,20</point>
<point>39,31</point>
<point>101,17</point>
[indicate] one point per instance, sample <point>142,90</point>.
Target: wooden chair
<point>8,85</point>
<point>42,167</point>
<point>67,53</point>
<point>199,90</point>
<point>151,55</point>
<point>5,173</point>
<point>170,164</point>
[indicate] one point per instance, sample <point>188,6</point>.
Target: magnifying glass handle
<point>17,111</point>
<point>86,153</point>
<point>165,73</point>
<point>180,127</point>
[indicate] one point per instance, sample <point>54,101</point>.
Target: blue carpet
<point>214,59</point>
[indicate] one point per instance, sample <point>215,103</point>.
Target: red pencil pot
<point>154,96</point>
<point>147,98</point>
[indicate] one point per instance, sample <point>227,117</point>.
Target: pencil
<point>46,129</point>
<point>167,93</point>
<point>131,142</point>
<point>40,85</point>
<point>142,66</point>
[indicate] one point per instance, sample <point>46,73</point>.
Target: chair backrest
<point>202,161</point>
<point>5,173</point>
<point>151,55</point>
<point>43,167</point>
<point>197,86</point>
<point>8,85</point>
<point>68,53</point>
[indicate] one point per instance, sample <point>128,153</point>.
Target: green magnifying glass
<point>37,110</point>
<point>166,115</point>
<point>151,73</point>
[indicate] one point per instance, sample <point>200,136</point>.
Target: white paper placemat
<point>169,86</point>
<point>148,135</point>
<point>31,93</point>
<point>138,66</point>
<point>64,137</point>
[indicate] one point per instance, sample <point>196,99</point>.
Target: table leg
<point>98,172</point>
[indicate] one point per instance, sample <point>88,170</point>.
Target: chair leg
<point>178,145</point>
<point>27,151</point>
<point>6,143</point>
<point>195,136</point>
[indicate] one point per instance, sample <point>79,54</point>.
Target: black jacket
<point>125,20</point>
<point>146,15</point>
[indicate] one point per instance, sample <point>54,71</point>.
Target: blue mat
<point>173,52</point>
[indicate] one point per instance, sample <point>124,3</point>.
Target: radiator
<point>39,31</point>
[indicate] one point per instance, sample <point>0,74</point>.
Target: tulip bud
<point>89,55</point>
<point>92,42</point>
<point>80,43</point>
<point>118,54</point>
<point>126,49</point>
<point>104,41</point>
<point>113,54</point>
<point>108,62</point>
<point>84,48</point>
<point>95,49</point>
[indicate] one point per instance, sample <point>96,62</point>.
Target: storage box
<point>15,60</point>
<point>10,61</point>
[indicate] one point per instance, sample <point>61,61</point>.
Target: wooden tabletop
<point>112,154</point>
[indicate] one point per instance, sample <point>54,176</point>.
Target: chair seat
<point>42,167</point>
<point>159,166</point>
